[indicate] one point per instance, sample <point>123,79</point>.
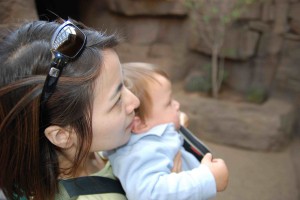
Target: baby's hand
<point>177,163</point>
<point>219,170</point>
<point>183,119</point>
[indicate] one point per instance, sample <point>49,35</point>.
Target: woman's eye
<point>119,101</point>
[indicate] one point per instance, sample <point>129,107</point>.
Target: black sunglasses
<point>67,42</point>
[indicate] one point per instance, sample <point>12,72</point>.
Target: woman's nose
<point>133,102</point>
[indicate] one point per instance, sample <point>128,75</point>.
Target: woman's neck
<point>92,165</point>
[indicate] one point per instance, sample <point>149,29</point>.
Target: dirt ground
<point>260,175</point>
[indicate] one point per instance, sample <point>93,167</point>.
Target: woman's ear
<point>138,125</point>
<point>59,136</point>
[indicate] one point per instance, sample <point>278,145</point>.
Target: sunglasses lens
<point>69,41</point>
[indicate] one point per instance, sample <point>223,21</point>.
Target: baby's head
<point>153,88</point>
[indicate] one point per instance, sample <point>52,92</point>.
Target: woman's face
<point>113,106</point>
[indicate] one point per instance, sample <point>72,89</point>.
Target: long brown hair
<point>28,161</point>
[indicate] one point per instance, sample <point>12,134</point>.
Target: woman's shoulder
<point>63,195</point>
<point>105,196</point>
<point>91,187</point>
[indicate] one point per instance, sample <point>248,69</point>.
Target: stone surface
<point>288,71</point>
<point>265,127</point>
<point>268,9</point>
<point>148,7</point>
<point>239,43</point>
<point>257,39</point>
<point>280,25</point>
<point>142,31</point>
<point>294,26</point>
<point>129,51</point>
<point>253,12</point>
<point>240,75</point>
<point>16,11</point>
<point>259,26</point>
<point>294,12</point>
<point>266,45</point>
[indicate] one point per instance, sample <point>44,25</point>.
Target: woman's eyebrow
<point>118,89</point>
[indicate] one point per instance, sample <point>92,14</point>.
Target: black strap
<point>193,144</point>
<point>91,185</point>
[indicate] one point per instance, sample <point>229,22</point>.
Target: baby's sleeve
<point>147,174</point>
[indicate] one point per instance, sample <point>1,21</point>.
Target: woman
<point>62,98</point>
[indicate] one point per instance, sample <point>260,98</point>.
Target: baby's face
<point>164,108</point>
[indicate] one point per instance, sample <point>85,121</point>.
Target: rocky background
<point>264,46</point>
<point>264,39</point>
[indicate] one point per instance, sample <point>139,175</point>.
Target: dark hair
<point>28,160</point>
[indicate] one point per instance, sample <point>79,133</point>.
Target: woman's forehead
<point>110,76</point>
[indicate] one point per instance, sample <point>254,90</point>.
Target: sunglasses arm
<point>57,65</point>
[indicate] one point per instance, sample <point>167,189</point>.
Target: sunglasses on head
<point>67,43</point>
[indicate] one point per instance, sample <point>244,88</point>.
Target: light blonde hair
<point>138,76</point>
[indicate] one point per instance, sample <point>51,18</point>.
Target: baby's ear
<point>59,136</point>
<point>138,125</point>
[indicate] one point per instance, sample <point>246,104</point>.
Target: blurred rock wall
<point>262,48</point>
